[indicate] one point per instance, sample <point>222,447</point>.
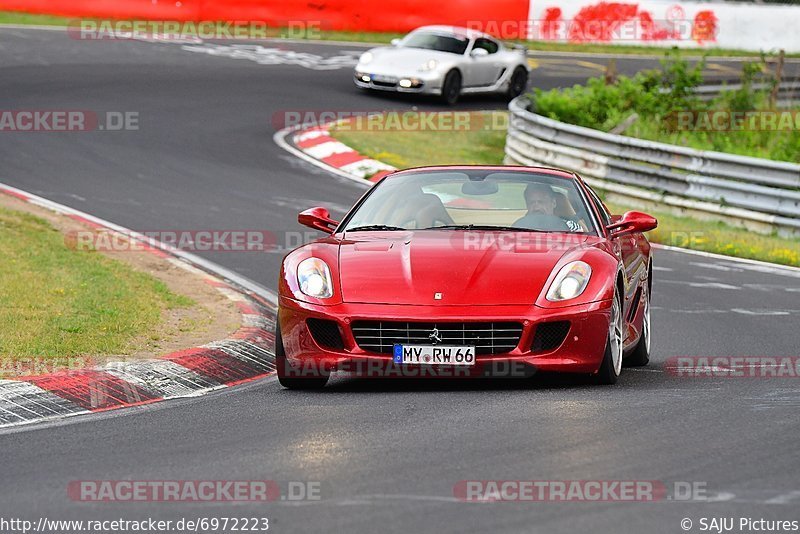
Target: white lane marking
<point>311,134</point>
<point>662,269</point>
<point>720,497</point>
<point>695,311</point>
<point>367,500</point>
<point>23,398</point>
<point>741,311</point>
<point>278,56</point>
<point>715,266</point>
<point>712,285</point>
<point>773,268</point>
<point>760,312</point>
<point>767,269</point>
<point>785,498</point>
<point>165,378</point>
<point>257,321</point>
<point>704,285</point>
<point>366,168</point>
<point>640,370</point>
<point>247,352</point>
<point>699,369</point>
<point>764,287</point>
<point>280,139</point>
<point>706,278</point>
<point>327,149</point>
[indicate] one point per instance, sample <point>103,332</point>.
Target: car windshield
<point>436,41</point>
<point>474,200</point>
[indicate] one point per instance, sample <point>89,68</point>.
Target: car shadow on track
<point>540,381</point>
<point>429,102</point>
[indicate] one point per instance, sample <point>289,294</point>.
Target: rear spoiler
<point>518,47</point>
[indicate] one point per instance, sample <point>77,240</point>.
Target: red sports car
<point>467,270</point>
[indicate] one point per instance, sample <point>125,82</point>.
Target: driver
<point>541,202</point>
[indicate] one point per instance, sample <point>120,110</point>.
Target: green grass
<point>13,17</point>
<point>717,237</point>
<point>57,302</point>
<point>402,148</point>
<point>415,148</point>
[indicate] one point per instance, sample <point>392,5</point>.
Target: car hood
<point>404,60</point>
<point>467,268</point>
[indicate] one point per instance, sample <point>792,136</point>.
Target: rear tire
<point>313,381</point>
<point>641,354</point>
<point>451,88</point>
<point>518,83</point>
<point>611,366</point>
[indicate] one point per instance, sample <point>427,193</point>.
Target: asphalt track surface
<point>387,453</point>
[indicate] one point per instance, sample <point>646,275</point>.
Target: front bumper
<point>419,82</point>
<point>580,352</point>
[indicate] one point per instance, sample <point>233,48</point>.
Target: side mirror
<point>394,42</point>
<point>633,222</point>
<point>318,219</point>
<point>479,52</point>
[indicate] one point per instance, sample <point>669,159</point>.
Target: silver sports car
<point>446,61</point>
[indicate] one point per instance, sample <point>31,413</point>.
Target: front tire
<point>451,88</point>
<point>518,83</point>
<point>611,366</point>
<point>313,381</point>
<point>641,354</point>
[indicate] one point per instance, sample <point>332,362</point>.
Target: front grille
<point>549,336</point>
<point>384,84</point>
<point>488,338</point>
<point>325,333</point>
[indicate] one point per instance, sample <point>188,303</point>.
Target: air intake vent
<point>549,336</point>
<point>325,333</point>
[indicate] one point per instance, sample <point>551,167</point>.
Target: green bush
<point>657,95</point>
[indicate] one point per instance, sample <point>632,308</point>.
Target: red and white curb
<point>248,354</point>
<point>316,146</point>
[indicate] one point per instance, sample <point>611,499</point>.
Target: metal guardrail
<point>788,91</point>
<point>760,194</point>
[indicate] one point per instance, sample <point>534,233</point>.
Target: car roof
<point>455,30</point>
<point>550,171</point>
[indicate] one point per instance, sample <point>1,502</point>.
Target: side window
<point>487,44</point>
<point>604,215</point>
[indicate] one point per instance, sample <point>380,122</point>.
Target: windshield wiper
<point>481,227</point>
<point>374,227</point>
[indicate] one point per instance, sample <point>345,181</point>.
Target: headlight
<point>570,281</point>
<point>314,278</point>
<point>366,57</point>
<point>429,65</point>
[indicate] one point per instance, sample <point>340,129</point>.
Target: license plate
<point>383,78</point>
<point>434,354</point>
